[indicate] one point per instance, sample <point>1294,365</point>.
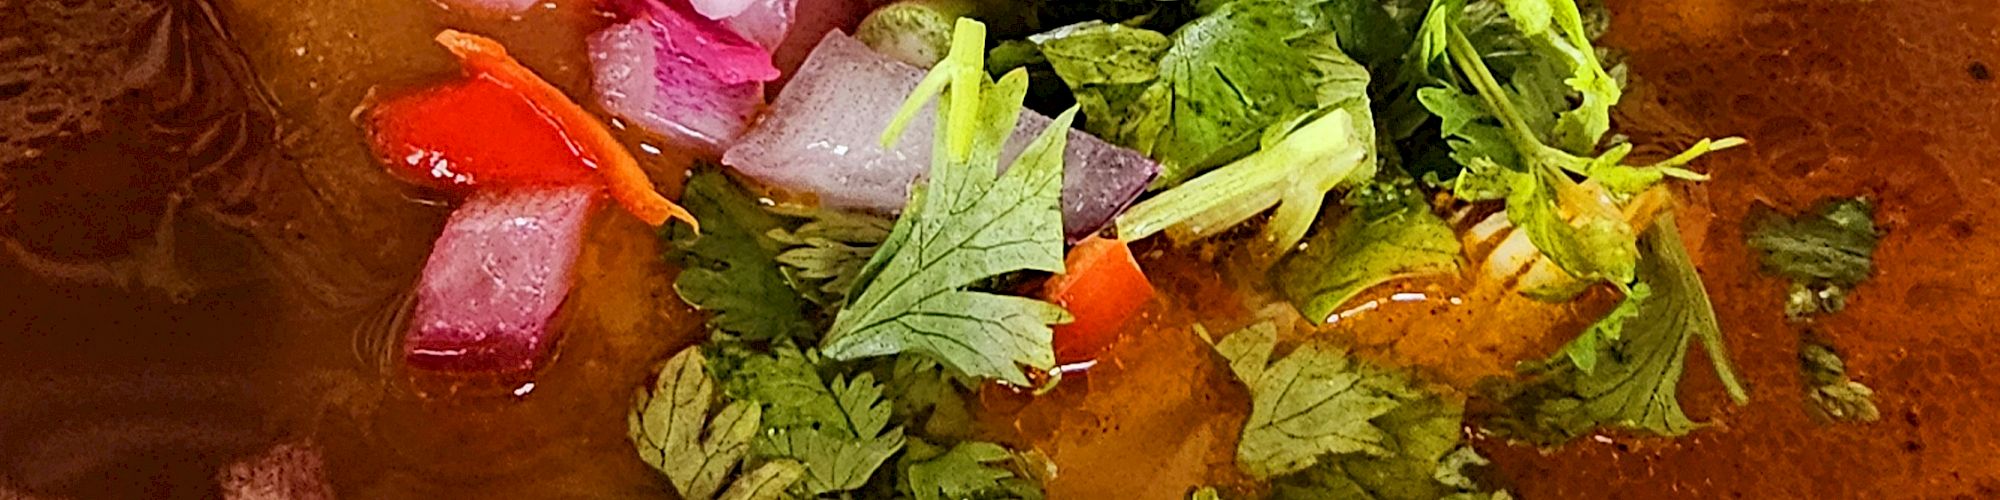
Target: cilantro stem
<point>1461,51</point>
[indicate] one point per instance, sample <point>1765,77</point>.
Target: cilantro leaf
<point>1219,81</point>
<point>928,396</point>
<point>1824,253</point>
<point>833,462</point>
<point>1834,397</point>
<point>1323,425</point>
<point>675,434</point>
<point>822,257</point>
<point>1636,376</point>
<point>971,469</point>
<point>1593,242</point>
<point>730,268</point>
<point>1106,66</point>
<point>1314,402</point>
<point>1516,150</point>
<point>838,427</point>
<point>1388,234</point>
<point>767,482</point>
<point>966,226</point>
<point>1262,78</point>
<point>1583,350</point>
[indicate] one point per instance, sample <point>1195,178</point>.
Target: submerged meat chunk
<point>496,277</point>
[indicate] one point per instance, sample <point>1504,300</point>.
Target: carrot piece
<point>1102,288</point>
<point>621,172</point>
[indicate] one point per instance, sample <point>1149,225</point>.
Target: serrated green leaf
<point>1577,231</point>
<point>1427,460</point>
<point>971,469</point>
<point>837,427</point>
<point>823,257</point>
<point>1393,237</point>
<point>1107,67</point>
<point>1834,244</point>
<point>1637,377</point>
<point>1323,425</point>
<point>667,425</point>
<point>929,397</point>
<point>833,463</point>
<point>1197,98</point>
<point>1312,403</point>
<point>767,482</point>
<point>730,269</point>
<point>1584,348</point>
<point>966,226</point>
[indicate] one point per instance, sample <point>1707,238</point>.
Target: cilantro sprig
<point>966,225</point>
<point>1515,144</point>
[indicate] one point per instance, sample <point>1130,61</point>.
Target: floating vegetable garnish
<point>627,182</point>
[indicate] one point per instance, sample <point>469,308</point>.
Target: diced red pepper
<point>506,126</point>
<point>477,132</point>
<point>1103,288</point>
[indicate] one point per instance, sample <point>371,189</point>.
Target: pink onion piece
<point>675,73</point>
<point>822,135</point>
<point>667,100</point>
<point>811,21</point>
<point>763,21</point>
<point>495,278</point>
<point>720,9</point>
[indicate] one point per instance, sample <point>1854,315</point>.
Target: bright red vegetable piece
<point>1103,288</point>
<point>487,58</point>
<point>478,132</point>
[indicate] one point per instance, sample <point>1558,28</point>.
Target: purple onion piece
<point>495,278</point>
<point>673,83</point>
<point>763,21</point>
<point>822,137</point>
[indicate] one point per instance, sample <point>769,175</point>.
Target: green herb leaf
<point>1323,425</point>
<point>1834,397</point>
<point>971,469</point>
<point>767,482</point>
<point>1389,234</point>
<point>966,226</point>
<point>1107,67</point>
<point>838,427</point>
<point>1584,348</point>
<point>1409,474</point>
<point>1219,81</point>
<point>928,396</point>
<point>1508,141</point>
<point>1824,253</point>
<point>731,267</point>
<point>1637,375</point>
<point>1594,242</point>
<point>674,433</point>
<point>822,257</point>
<point>1314,402</point>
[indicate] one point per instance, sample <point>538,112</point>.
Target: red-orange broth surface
<point>202,260</point>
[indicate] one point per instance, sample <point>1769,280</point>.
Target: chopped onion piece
<point>823,137</point>
<point>495,278</point>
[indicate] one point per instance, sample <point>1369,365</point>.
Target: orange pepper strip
<point>620,170</point>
